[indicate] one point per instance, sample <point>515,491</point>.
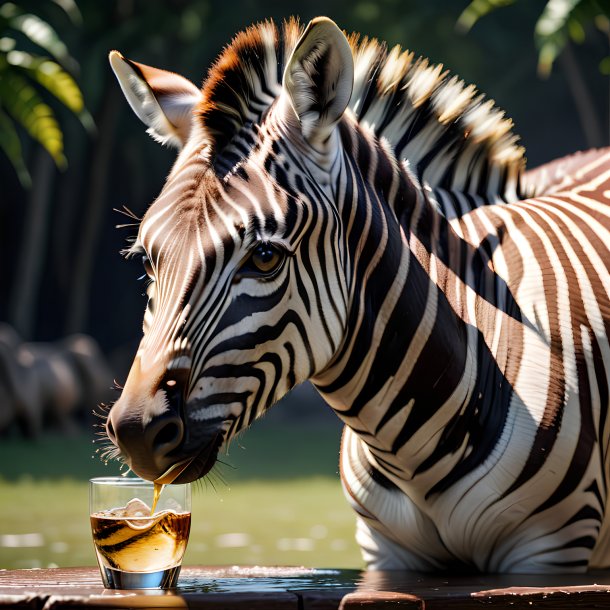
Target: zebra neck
<point>407,378</point>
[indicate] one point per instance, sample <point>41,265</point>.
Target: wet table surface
<point>305,589</point>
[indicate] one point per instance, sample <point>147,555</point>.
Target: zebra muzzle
<point>149,443</point>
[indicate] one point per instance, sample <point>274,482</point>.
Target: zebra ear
<point>319,78</point>
<point>162,100</point>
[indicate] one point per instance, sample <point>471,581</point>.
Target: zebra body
<point>383,250</point>
<point>519,508</point>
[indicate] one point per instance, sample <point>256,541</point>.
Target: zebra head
<point>248,294</point>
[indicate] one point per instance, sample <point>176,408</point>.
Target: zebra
<point>352,215</point>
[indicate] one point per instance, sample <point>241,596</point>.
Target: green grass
<point>301,522</point>
<point>273,448</point>
<point>278,501</point>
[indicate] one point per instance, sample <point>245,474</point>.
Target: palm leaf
<point>51,76</point>
<point>559,21</point>
<point>477,9</point>
<point>71,9</point>
<point>25,105</point>
<point>11,145</point>
<point>551,32</point>
<point>7,44</point>
<point>37,31</point>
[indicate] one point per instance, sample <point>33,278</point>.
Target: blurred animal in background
<point>352,215</point>
<point>50,386</point>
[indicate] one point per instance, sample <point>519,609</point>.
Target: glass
<point>136,549</point>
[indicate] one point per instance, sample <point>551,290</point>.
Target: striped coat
<point>354,216</point>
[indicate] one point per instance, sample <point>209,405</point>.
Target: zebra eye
<point>264,260</point>
<point>148,267</point>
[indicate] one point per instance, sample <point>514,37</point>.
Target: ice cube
<point>137,508</point>
<point>134,508</point>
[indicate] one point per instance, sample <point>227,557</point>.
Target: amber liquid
<point>141,544</point>
<point>157,489</point>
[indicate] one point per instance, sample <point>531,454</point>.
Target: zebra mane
<point>449,134</point>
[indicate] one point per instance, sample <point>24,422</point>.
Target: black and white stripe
<point>459,330</point>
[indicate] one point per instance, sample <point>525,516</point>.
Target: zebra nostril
<point>167,435</point>
<point>110,430</point>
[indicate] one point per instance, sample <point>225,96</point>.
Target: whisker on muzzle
<point>106,451</point>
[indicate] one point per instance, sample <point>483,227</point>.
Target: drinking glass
<point>136,548</point>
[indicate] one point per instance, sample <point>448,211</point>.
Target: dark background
<point>60,267</point>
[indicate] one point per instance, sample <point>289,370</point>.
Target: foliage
<point>477,9</point>
<point>560,21</point>
<point>24,75</point>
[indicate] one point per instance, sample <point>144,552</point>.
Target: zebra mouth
<point>202,463</point>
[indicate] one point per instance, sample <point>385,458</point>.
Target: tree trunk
<point>69,209</point>
<point>33,255</point>
<point>585,106</point>
<point>95,207</point>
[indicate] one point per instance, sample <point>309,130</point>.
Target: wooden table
<point>305,589</point>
